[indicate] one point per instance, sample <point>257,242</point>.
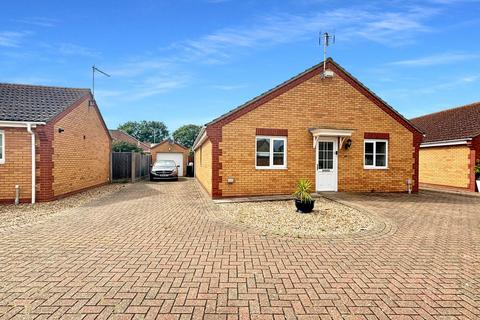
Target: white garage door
<point>177,157</point>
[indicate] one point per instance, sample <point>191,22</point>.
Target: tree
<point>185,135</point>
<point>146,131</point>
<point>123,146</point>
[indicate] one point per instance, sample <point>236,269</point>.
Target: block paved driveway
<point>153,250</point>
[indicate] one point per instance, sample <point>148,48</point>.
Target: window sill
<point>271,168</point>
<point>375,168</point>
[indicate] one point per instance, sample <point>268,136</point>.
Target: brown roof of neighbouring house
<point>170,141</point>
<point>452,124</point>
<point>119,135</point>
<point>20,102</point>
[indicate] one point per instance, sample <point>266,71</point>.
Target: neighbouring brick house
<point>329,129</point>
<point>450,148</point>
<point>119,135</point>
<point>171,150</point>
<point>53,142</point>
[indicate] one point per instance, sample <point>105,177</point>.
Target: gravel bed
<point>280,218</point>
<point>17,215</point>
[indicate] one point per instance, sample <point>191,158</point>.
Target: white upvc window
<point>2,147</point>
<point>375,154</point>
<point>270,152</point>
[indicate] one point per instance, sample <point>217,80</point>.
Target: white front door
<point>327,165</point>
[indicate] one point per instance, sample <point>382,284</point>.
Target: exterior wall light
<point>348,144</point>
<point>61,130</point>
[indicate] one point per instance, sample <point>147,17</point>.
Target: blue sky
<point>190,61</point>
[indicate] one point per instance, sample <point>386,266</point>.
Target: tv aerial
<point>325,39</point>
<point>95,69</point>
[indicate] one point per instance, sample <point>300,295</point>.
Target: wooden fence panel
<point>130,166</point>
<point>121,166</point>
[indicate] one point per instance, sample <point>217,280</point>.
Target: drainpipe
<point>32,134</point>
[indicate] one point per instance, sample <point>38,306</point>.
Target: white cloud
<point>153,75</point>
<point>437,59</point>
<point>435,88</point>
<point>138,67</point>
<point>70,49</point>
<point>150,76</point>
<point>226,87</point>
<point>38,21</point>
<point>447,85</point>
<point>391,28</point>
<point>12,38</point>
<point>30,79</point>
<point>155,85</point>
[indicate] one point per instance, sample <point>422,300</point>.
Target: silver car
<point>164,170</point>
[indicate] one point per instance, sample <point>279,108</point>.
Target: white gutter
<point>29,126</point>
<point>19,124</point>
<point>200,141</point>
<point>456,142</point>
<point>32,134</point>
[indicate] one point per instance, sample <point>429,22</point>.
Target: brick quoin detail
<point>376,135</point>
<point>215,135</point>
<point>471,167</point>
<point>271,132</point>
<point>417,140</point>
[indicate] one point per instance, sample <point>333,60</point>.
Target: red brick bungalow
<point>53,142</point>
<point>328,128</point>
<point>119,135</point>
<point>451,147</point>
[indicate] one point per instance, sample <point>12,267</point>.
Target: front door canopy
<point>329,132</point>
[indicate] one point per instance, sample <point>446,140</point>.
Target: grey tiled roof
<point>19,102</point>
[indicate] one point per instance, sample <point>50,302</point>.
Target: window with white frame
<point>376,154</point>
<point>270,152</point>
<point>2,146</point>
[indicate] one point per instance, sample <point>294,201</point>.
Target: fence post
<point>132,154</point>
<point>111,166</point>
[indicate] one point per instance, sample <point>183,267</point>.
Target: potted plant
<point>477,174</point>
<point>303,198</point>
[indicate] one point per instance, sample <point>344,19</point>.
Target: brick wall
<point>17,168</point>
<point>171,148</point>
<point>445,166</point>
<point>203,165</point>
<point>81,154</point>
<point>331,103</point>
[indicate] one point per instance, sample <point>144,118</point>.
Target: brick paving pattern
<point>153,251</point>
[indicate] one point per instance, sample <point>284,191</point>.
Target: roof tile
<point>452,124</point>
<point>19,102</point>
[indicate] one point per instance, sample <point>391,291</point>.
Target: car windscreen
<point>165,163</point>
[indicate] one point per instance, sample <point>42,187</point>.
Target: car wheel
<point>151,178</point>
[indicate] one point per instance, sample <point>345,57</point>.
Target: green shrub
<point>123,146</point>
<point>302,191</point>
